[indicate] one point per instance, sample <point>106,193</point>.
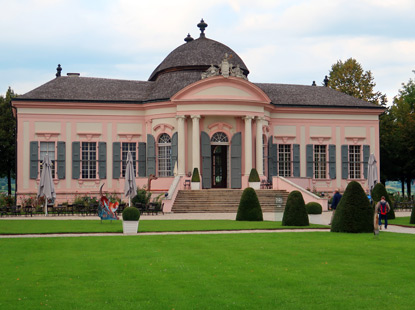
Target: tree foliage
<point>249,207</point>
<point>295,213</point>
<point>7,138</point>
<point>350,78</point>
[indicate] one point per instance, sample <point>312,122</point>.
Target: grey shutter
<point>76,159</point>
<point>141,159</point>
<point>309,152</point>
<point>151,155</point>
<point>174,150</point>
<point>116,160</point>
<point>34,159</point>
<point>332,161</point>
<point>272,159</point>
<point>345,161</point>
<point>296,160</point>
<point>61,160</point>
<point>236,160</point>
<point>366,154</point>
<point>102,160</point>
<point>206,160</point>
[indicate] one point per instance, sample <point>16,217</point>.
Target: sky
<point>280,41</point>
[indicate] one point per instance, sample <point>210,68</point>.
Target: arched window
<point>219,138</point>
<point>164,155</point>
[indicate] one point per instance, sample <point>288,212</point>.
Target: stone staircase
<point>223,200</point>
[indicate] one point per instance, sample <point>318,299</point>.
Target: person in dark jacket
<point>335,201</point>
<point>382,207</point>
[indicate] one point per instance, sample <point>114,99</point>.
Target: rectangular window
<point>355,162</point>
<point>284,160</point>
<point>47,148</point>
<point>320,161</point>
<point>89,160</point>
<point>132,147</point>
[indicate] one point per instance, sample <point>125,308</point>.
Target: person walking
<point>382,207</point>
<point>334,202</point>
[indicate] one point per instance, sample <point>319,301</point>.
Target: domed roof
<point>197,55</point>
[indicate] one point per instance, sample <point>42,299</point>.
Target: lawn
<point>94,226</point>
<point>315,270</point>
<point>401,221</point>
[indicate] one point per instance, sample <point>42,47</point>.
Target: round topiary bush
<point>131,214</point>
<point>313,208</point>
<point>253,176</point>
<point>354,213</point>
<point>249,207</point>
<point>295,213</point>
<point>377,192</point>
<point>412,220</point>
<point>195,175</point>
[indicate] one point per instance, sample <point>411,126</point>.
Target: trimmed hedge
<point>253,176</point>
<point>313,208</point>
<point>131,214</point>
<point>295,213</point>
<point>195,175</point>
<point>354,213</point>
<point>249,207</point>
<point>412,220</point>
<point>377,192</point>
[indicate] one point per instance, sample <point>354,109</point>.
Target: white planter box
<point>255,185</point>
<point>195,185</point>
<point>130,227</point>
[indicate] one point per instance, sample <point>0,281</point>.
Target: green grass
<point>315,270</point>
<point>95,226</point>
<point>401,221</point>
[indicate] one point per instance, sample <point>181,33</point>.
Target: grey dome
<point>197,55</point>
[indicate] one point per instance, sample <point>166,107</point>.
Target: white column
<point>181,151</point>
<point>196,142</point>
<point>259,155</point>
<point>248,144</point>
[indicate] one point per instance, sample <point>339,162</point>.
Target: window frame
<point>89,165</point>
<point>320,160</point>
<point>164,152</point>
<point>133,148</point>
<point>42,154</point>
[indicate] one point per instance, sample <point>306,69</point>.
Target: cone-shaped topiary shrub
<point>249,208</point>
<point>295,213</point>
<point>313,208</point>
<point>412,220</point>
<point>131,214</point>
<point>354,213</point>
<point>377,192</point>
<point>195,175</point>
<point>253,176</point>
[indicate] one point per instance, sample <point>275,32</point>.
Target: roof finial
<point>314,83</point>
<point>58,71</point>
<point>326,81</point>
<point>202,26</point>
<point>188,38</point>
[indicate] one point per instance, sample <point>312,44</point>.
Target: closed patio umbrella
<point>130,187</point>
<point>372,172</point>
<point>46,186</point>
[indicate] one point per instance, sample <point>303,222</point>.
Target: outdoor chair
<point>93,209</point>
<point>28,210</point>
<point>3,211</point>
<point>140,206</point>
<point>70,209</point>
<point>81,209</point>
<point>121,207</point>
<point>60,209</point>
<point>15,210</point>
<point>186,184</point>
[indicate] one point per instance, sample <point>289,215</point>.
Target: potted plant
<point>130,217</point>
<point>253,179</point>
<point>195,182</point>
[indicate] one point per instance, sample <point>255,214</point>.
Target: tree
<point>249,207</point>
<point>295,213</point>
<point>350,78</point>
<point>7,139</point>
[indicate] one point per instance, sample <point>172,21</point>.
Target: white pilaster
<point>181,151</point>
<point>196,142</point>
<point>259,154</point>
<point>248,144</point>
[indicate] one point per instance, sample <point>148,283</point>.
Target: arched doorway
<point>219,153</point>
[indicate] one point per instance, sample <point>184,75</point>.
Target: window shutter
<point>76,159</point>
<point>174,150</point>
<point>151,155</point>
<point>309,158</point>
<point>236,160</point>
<point>34,159</point>
<point>345,161</point>
<point>116,160</point>
<point>102,160</point>
<point>296,160</point>
<point>332,161</point>
<point>366,154</point>
<point>141,159</point>
<point>61,160</point>
<point>206,160</point>
<point>272,159</point>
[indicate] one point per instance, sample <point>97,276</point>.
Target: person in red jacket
<point>382,207</point>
